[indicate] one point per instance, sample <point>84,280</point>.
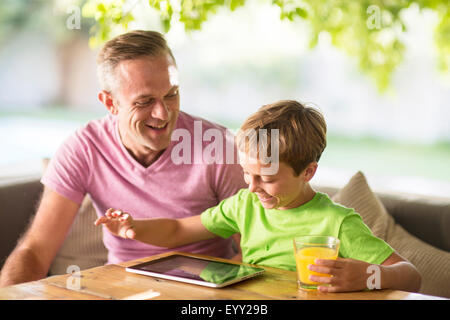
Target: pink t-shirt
<point>94,161</point>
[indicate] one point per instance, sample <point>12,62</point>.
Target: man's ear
<point>310,171</point>
<point>106,98</point>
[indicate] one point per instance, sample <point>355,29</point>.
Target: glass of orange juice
<point>306,250</point>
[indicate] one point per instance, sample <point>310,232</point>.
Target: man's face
<point>148,103</point>
<point>282,190</point>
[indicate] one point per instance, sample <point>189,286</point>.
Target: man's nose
<point>160,110</point>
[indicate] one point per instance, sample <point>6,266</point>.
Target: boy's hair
<point>301,129</point>
<point>127,46</point>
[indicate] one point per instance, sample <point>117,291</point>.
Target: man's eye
<point>144,103</point>
<point>172,95</point>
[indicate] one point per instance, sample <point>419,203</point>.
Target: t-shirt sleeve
<point>68,170</point>
<point>222,219</point>
<point>358,241</point>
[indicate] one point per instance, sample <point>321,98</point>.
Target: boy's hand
<point>347,274</point>
<point>118,223</point>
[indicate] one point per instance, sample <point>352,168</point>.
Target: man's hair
<point>301,132</point>
<point>131,45</point>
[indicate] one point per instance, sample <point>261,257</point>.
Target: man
<point>125,160</point>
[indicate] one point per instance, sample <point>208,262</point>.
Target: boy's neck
<point>307,195</point>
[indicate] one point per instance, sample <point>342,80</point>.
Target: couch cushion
<point>431,262</point>
<point>425,217</point>
<point>18,201</point>
<point>356,194</point>
<point>83,246</point>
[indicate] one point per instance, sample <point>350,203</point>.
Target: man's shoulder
<point>95,132</point>
<point>97,128</point>
<point>98,125</point>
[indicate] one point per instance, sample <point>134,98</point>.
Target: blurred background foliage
<point>44,16</point>
<point>368,30</point>
<point>378,70</point>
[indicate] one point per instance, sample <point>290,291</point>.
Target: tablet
<point>200,271</point>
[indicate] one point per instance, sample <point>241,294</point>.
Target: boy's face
<point>282,190</point>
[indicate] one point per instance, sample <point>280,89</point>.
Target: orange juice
<point>305,257</point>
<point>309,248</point>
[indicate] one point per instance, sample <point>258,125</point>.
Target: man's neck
<point>145,159</point>
<point>144,155</point>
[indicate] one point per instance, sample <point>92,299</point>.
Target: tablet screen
<point>197,269</point>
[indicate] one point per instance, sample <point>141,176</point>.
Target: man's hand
<point>118,223</point>
<point>347,274</point>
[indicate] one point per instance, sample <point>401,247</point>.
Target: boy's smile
<point>282,190</point>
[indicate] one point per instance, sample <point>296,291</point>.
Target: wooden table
<point>113,282</point>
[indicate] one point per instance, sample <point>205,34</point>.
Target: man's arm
<point>161,232</point>
<point>35,251</point>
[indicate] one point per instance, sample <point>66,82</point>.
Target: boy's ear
<point>106,98</point>
<point>310,171</point>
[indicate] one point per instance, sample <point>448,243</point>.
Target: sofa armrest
<point>18,201</point>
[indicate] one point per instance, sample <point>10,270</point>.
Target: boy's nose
<point>252,185</point>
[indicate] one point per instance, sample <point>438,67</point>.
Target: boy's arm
<point>398,273</point>
<point>161,232</point>
<point>171,233</point>
<point>237,239</point>
<point>353,275</point>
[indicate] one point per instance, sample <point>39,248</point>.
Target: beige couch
<point>417,227</point>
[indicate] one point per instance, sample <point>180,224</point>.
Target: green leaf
<point>301,12</point>
<point>101,8</point>
<point>353,28</point>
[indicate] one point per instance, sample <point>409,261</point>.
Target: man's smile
<point>158,128</point>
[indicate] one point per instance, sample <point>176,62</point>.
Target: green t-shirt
<point>267,234</point>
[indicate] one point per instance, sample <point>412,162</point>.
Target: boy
<point>279,205</point>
